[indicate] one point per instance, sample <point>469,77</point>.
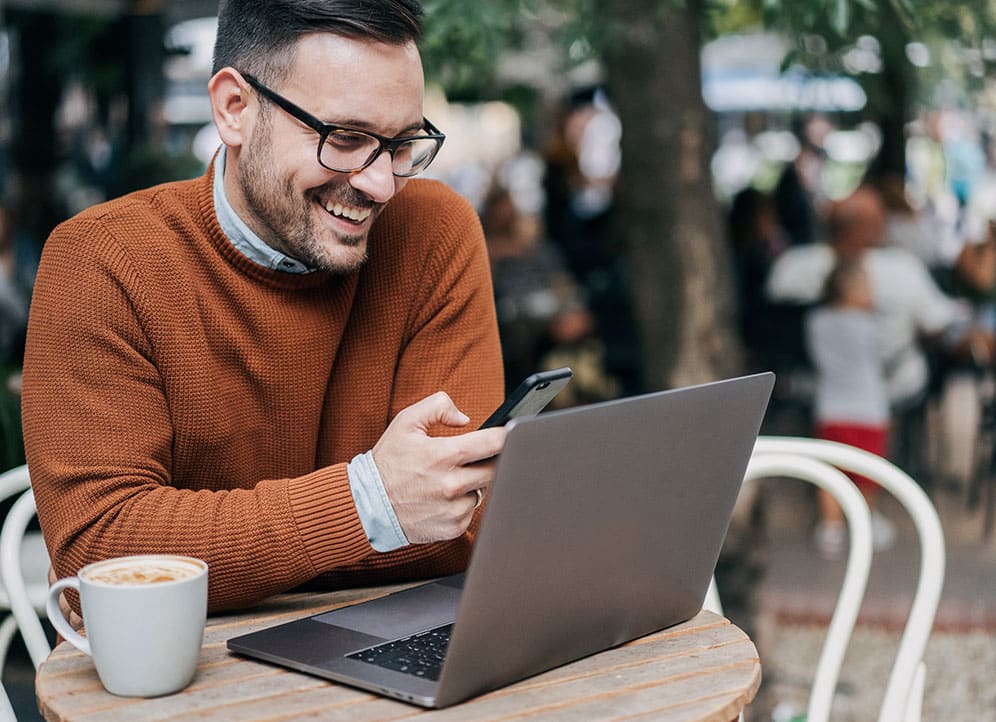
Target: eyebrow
<point>357,124</point>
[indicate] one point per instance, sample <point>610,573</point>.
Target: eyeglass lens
<point>347,150</point>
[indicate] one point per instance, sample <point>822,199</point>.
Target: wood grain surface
<point>704,670</point>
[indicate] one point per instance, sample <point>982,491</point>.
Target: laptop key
<point>420,654</point>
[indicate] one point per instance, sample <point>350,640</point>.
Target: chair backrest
<point>26,597</point>
<point>794,457</point>
<point>12,482</point>
<point>773,464</point>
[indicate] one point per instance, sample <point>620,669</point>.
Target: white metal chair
<point>24,564</point>
<point>814,460</point>
<point>763,465</point>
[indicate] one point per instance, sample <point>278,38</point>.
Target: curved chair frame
<point>14,481</point>
<point>25,604</point>
<point>904,692</point>
<point>794,465</point>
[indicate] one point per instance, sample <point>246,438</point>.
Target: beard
<point>286,219</point>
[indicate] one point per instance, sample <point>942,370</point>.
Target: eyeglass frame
<point>324,130</point>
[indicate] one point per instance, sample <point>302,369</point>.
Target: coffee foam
<point>142,571</point>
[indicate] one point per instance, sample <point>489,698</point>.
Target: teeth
<point>353,214</point>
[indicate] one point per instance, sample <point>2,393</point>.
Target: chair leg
<point>7,629</point>
<point>985,443</point>
<point>914,705</point>
<point>982,488</point>
<point>990,512</point>
<point>6,709</point>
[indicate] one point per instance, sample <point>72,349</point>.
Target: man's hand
<point>431,481</point>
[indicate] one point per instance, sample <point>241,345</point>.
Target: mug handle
<point>58,621</point>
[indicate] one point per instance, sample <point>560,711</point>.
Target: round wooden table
<point>704,670</point>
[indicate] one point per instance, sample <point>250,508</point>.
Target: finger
<point>471,504</point>
<point>474,446</point>
<point>473,477</point>
<point>435,409</point>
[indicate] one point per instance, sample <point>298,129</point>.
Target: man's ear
<point>229,95</point>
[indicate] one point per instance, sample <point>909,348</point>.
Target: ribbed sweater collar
<point>205,205</point>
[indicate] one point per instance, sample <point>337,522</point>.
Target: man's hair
<point>854,211</point>
<point>259,36</point>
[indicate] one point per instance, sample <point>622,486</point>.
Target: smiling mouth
<point>349,213</point>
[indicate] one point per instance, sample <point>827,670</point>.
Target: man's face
<point>322,217</point>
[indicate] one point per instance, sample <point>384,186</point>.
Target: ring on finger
<point>480,497</point>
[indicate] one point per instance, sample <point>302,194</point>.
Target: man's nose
<point>377,180</point>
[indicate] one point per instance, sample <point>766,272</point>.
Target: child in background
<point>851,404</point>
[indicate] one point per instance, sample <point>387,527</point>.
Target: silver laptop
<point>604,524</point>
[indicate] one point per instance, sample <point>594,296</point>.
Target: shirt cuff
<point>372,505</point>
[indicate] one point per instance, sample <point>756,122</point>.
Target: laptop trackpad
<point>399,614</point>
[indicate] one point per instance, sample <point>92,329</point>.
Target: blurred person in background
<point>915,316</point>
<point>758,239</point>
<point>19,255</point>
<point>905,226</point>
<point>912,310</point>
<point>851,405</point>
<point>18,265</point>
<point>965,158</point>
<point>975,275</point>
<point>799,195</point>
<point>539,305</point>
<point>582,163</point>
<point>975,266</point>
<point>275,367</point>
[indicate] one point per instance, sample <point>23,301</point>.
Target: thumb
<point>436,409</point>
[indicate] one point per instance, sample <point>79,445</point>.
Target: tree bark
<point>668,218</point>
<point>894,103</point>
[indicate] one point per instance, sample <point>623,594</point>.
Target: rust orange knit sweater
<point>179,398</point>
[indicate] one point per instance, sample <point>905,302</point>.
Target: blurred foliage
<point>91,48</point>
<point>465,38</point>
<point>150,164</point>
<point>959,33</point>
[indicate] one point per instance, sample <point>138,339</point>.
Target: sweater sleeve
<point>99,442</point>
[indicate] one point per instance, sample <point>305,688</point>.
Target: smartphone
<point>531,396</point>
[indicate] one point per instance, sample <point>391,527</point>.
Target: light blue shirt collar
<point>242,237</point>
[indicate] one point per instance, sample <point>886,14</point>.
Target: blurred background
<point>639,168</point>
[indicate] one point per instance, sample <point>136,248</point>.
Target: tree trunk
<point>668,217</point>
<point>894,104</point>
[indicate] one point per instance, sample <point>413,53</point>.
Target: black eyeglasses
<point>348,150</point>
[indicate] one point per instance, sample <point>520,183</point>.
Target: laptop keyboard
<point>420,655</point>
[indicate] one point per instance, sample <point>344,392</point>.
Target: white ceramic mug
<point>144,618</point>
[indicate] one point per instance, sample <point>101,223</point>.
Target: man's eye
<point>346,140</point>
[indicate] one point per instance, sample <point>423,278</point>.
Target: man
<point>247,367</point>
<point>908,304</point>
